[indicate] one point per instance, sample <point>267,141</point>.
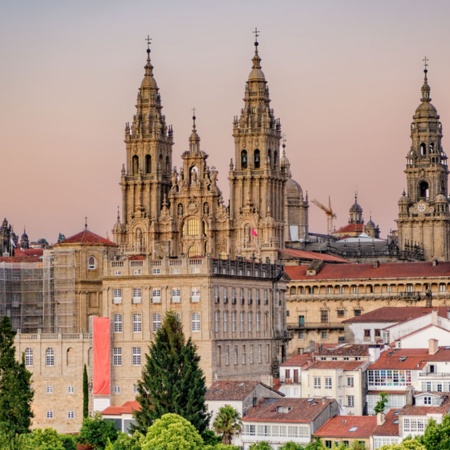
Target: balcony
<point>315,326</point>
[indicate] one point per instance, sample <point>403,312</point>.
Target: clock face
<point>421,207</point>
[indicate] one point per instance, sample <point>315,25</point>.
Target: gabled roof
<point>297,361</point>
<point>337,365</point>
<point>356,427</point>
<point>413,410</point>
<point>365,271</point>
<point>402,359</point>
<point>396,314</point>
<point>86,237</point>
<point>234,390</point>
<point>390,425</point>
<point>345,350</point>
<point>311,256</point>
<point>28,252</point>
<point>350,228</point>
<point>298,410</point>
<point>126,408</point>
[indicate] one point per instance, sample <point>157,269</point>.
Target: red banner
<point>102,356</point>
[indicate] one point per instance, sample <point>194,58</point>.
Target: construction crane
<point>329,212</point>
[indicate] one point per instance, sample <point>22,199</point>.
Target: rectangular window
<point>176,295</point>
<point>357,312</point>
<point>324,335</point>
<point>49,414</point>
<point>117,356</point>
<point>156,271</point>
<point>116,390</point>
<point>258,321</point>
<point>216,321</point>
<point>328,383</point>
<point>137,295</point>
<point>266,297</point>
<point>241,296</point>
<point>350,382</point>
<point>233,296</point>
<point>49,389</point>
<point>324,315</point>
<point>367,334</point>
<point>227,355</point>
<point>244,355</point>
<point>137,323</point>
<point>225,321</point>
<point>216,295</point>
<point>242,316</point>
<point>136,356</point>
<point>195,321</point>
<point>340,313</point>
<point>117,323</point>
<point>251,354</point>
<point>117,296</point>
<point>233,321</point>
<point>250,322</point>
<point>317,384</point>
<point>195,294</point>
<point>259,354</point>
<point>156,323</point>
<point>70,415</point>
<point>235,355</point>
<point>70,389</point>
<point>225,295</point>
<point>156,296</point>
<point>350,401</point>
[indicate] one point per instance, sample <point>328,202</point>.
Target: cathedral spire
<point>425,88</point>
<point>194,140</point>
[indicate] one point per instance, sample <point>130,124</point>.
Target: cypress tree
<point>16,393</point>
<point>85,393</point>
<point>172,380</point>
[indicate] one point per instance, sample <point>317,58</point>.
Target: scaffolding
<point>21,294</point>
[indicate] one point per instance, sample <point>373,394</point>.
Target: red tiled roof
<point>302,410</point>
<point>345,350</point>
<point>86,237</point>
<point>313,256</point>
<point>388,428</point>
<point>30,252</point>
<point>20,259</point>
<point>233,390</point>
<point>297,361</point>
<point>412,410</point>
<point>126,408</point>
<point>333,365</point>
<point>351,228</point>
<point>358,427</point>
<point>396,314</point>
<point>406,359</point>
<point>366,271</point>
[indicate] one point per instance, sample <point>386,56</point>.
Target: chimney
<point>432,346</point>
<point>409,396</point>
<point>434,317</point>
<point>376,264</point>
<point>374,352</point>
<point>324,400</point>
<point>380,418</point>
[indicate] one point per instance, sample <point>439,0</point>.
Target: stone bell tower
<point>258,175</point>
<point>424,220</point>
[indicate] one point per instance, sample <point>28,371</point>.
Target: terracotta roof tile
<point>413,410</point>
<point>312,256</point>
<point>233,390</point>
<point>297,361</point>
<point>126,408</point>
<point>345,350</point>
<point>365,271</point>
<point>402,359</point>
<point>396,314</point>
<point>86,237</point>
<point>350,228</point>
<point>358,427</point>
<point>344,365</point>
<point>390,425</point>
<point>302,410</point>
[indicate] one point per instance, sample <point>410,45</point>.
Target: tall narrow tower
<point>146,176</point>
<point>424,219</point>
<point>257,176</point>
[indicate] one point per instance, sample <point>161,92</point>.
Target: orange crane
<point>329,212</point>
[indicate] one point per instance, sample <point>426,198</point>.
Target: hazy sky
<point>344,78</point>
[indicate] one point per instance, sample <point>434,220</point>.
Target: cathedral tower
<point>257,176</point>
<point>145,179</point>
<point>424,219</point>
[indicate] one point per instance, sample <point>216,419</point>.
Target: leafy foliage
<point>172,432</point>
<point>96,431</point>
<point>44,439</point>
<point>16,393</point>
<point>291,446</point>
<point>85,393</point>
<point>172,381</point>
<point>436,436</point>
<point>407,444</point>
<point>126,442</point>
<point>381,403</point>
<point>227,423</point>
<point>263,445</point>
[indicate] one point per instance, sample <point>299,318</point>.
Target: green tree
<point>85,393</point>
<point>47,439</point>
<point>172,432</point>
<point>96,431</point>
<point>436,435</point>
<point>263,445</point>
<point>381,403</point>
<point>172,381</point>
<point>127,442</point>
<point>16,393</point>
<point>407,444</point>
<point>316,444</point>
<point>227,423</point>
<point>291,446</point>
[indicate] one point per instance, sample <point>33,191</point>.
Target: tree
<point>436,435</point>
<point>96,431</point>
<point>407,444</point>
<point>85,393</point>
<point>172,432</point>
<point>16,393</point>
<point>47,439</point>
<point>291,446</point>
<point>263,445</point>
<point>172,381</point>
<point>227,423</point>
<point>381,403</point>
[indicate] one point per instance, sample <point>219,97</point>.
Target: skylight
<point>353,429</point>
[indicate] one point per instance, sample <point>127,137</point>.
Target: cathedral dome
<point>256,74</point>
<point>426,110</point>
<point>440,198</point>
<point>370,224</point>
<point>293,189</point>
<point>355,208</point>
<point>403,199</point>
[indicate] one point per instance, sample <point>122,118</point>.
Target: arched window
<point>92,263</point>
<point>70,356</point>
<point>244,159</point>
<point>135,165</point>
<point>139,239</point>
<point>49,357</point>
<point>193,251</point>
<point>257,159</point>
<point>247,233</point>
<point>423,189</point>
<point>269,156</point>
<point>28,356</point>
<point>193,175</point>
<point>423,149</point>
<point>167,164</point>
<point>180,209</point>
<point>148,164</point>
<point>275,158</point>
<point>192,227</point>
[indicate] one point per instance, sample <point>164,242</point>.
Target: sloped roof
<point>350,228</point>
<point>234,390</point>
<point>297,361</point>
<point>366,271</point>
<point>390,425</point>
<point>334,365</point>
<point>86,237</point>
<point>353,427</point>
<point>312,256</point>
<point>126,408</point>
<point>345,350</point>
<point>401,359</point>
<point>302,410</point>
<point>396,314</point>
<point>413,410</point>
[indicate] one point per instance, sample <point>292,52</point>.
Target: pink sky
<point>344,79</point>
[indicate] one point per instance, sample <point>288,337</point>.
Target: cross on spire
<point>284,140</point>
<point>425,60</point>
<point>193,118</point>
<point>256,33</point>
<point>149,41</point>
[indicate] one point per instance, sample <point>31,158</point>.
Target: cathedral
<point>166,213</point>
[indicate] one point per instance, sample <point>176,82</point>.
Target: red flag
<point>254,232</point>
